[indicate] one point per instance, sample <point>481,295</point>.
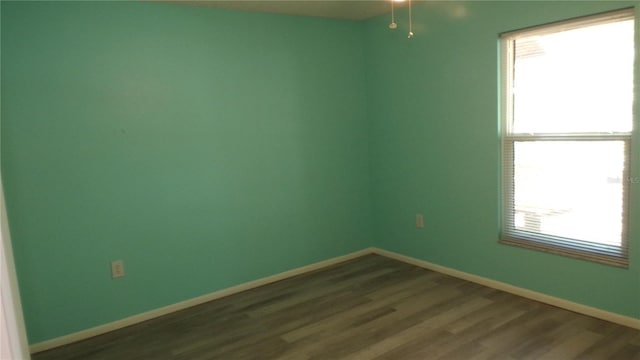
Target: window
<point>567,119</point>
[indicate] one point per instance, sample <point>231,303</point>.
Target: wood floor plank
<point>465,351</point>
<point>407,314</point>
<point>367,308</point>
<point>571,346</point>
<point>608,346</point>
<point>427,326</point>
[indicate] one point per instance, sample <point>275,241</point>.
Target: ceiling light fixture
<point>393,24</point>
<point>410,22</point>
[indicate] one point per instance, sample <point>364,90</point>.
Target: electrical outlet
<point>117,269</point>
<point>419,221</point>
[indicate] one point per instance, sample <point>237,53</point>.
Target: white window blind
<point>567,120</point>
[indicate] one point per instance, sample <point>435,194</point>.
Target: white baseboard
<point>562,303</point>
<point>98,330</point>
<point>533,295</point>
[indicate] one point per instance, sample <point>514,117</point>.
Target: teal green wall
<point>207,148</point>
<point>433,107</point>
<point>203,147</point>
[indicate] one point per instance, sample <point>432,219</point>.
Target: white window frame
<point>612,255</point>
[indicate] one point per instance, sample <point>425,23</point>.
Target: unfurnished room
<point>320,180</point>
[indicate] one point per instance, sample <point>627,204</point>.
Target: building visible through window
<point>567,116</point>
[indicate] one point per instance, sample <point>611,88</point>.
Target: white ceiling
<point>336,9</point>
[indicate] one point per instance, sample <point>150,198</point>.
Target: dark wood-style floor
<point>368,308</point>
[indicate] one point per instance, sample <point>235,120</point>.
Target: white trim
<point>13,336</point>
<point>529,294</point>
<point>101,329</point>
<point>533,295</point>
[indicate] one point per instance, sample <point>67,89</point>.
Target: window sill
<point>622,261</point>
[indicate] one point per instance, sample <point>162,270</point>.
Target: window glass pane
<point>571,189</point>
<point>575,81</point>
